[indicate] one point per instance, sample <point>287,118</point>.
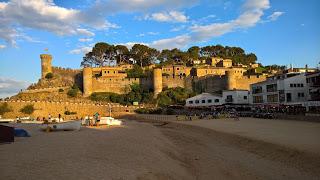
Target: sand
<point>140,150</point>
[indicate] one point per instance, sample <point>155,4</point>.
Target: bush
<point>27,109</point>
<point>148,111</point>
<point>49,76</point>
<point>69,113</point>
<point>4,108</point>
<point>73,91</point>
<point>61,90</point>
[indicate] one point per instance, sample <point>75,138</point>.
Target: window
<point>300,95</point>
<point>177,68</point>
<point>108,72</point>
<point>216,100</point>
<point>209,100</point>
<point>190,102</point>
<point>301,85</point>
<point>288,95</point>
<point>257,99</point>
<point>197,101</point>
<point>294,85</point>
<point>245,97</point>
<point>291,85</point>
<point>105,71</point>
<point>203,101</point>
<point>114,72</point>
<point>256,90</point>
<point>272,98</point>
<point>271,87</point>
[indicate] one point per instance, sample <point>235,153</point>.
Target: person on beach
<point>59,118</point>
<point>49,117</point>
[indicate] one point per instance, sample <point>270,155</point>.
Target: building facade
<point>285,89</point>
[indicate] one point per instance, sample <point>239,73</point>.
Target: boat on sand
<point>63,126</point>
<point>110,121</point>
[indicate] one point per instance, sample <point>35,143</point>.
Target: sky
<point>278,31</point>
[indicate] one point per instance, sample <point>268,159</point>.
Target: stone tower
<point>87,81</point>
<point>46,66</point>
<point>231,80</point>
<point>157,81</point>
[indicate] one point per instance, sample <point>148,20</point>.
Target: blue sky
<point>277,31</point>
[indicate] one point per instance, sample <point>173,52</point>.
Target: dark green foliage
<point>4,108</point>
<point>137,94</point>
<point>27,109</point>
<point>135,72</point>
<point>149,111</point>
<point>145,55</point>
<point>73,91</point>
<point>69,113</point>
<point>61,90</point>
<point>172,96</point>
<point>49,76</point>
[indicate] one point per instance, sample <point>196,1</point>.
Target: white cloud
<point>2,46</point>
<point>45,15</point>
<point>10,87</point>
<point>275,15</point>
<point>170,43</point>
<point>171,16</point>
<point>252,11</point>
<point>179,28</point>
<point>116,6</point>
<point>81,50</point>
<point>85,39</point>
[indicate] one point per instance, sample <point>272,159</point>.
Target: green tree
<point>27,109</point>
<point>4,108</point>
<point>49,76</point>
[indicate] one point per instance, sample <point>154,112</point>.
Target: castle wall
<point>44,108</point>
<point>173,81</point>
<point>118,85</point>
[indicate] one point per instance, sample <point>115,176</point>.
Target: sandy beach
<point>151,150</point>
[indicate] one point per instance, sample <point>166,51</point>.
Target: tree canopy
<point>103,53</point>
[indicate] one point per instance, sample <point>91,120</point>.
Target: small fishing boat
<point>110,121</point>
<point>63,126</point>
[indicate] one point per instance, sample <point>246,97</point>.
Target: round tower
<point>231,80</point>
<point>87,81</point>
<point>45,64</point>
<point>157,81</point>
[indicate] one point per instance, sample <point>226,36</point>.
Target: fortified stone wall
<point>44,108</point>
<point>120,86</point>
<point>69,76</point>
<point>173,81</point>
<point>245,81</point>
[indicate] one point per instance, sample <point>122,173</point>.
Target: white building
<point>228,97</point>
<point>286,89</point>
<point>235,96</point>
<point>203,100</point>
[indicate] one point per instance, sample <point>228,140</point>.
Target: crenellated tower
<point>46,66</point>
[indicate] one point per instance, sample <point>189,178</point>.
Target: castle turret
<point>87,81</point>
<point>45,64</point>
<point>157,81</point>
<point>231,80</point>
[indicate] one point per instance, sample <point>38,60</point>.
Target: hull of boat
<point>66,126</point>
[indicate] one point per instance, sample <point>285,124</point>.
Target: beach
<point>152,150</point>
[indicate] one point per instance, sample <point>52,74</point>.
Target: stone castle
<point>210,76</point>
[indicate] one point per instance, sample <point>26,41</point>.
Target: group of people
<point>92,121</point>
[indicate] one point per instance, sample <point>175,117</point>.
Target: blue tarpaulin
<point>21,133</point>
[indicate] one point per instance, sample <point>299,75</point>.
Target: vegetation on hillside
<point>136,94</point>
<point>73,92</point>
<point>27,109</point>
<point>4,108</point>
<point>174,96</point>
<point>49,76</point>
<point>103,53</point>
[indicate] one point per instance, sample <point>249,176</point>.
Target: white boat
<point>109,121</point>
<point>6,120</point>
<point>66,125</point>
